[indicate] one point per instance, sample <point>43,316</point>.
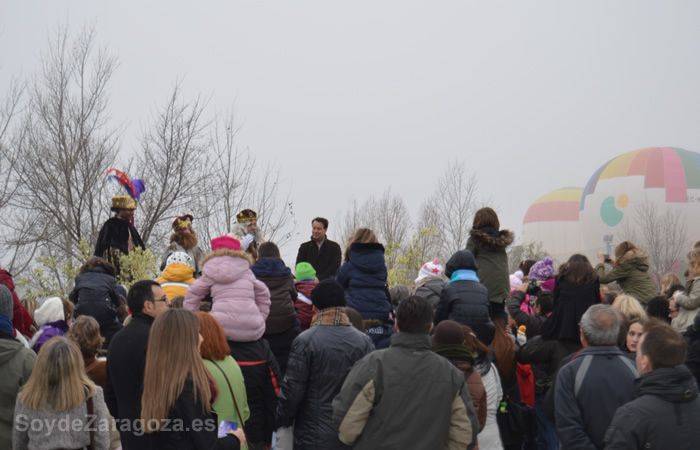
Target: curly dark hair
<point>96,261</point>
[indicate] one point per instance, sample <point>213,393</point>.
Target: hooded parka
<point>466,301</point>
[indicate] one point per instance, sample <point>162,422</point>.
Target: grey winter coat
<point>429,288</point>
<point>75,435</point>
<point>16,363</point>
<point>688,305</point>
<point>410,386</point>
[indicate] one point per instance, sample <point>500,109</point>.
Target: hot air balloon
<point>618,202</point>
<point>553,220</point>
<point>627,192</point>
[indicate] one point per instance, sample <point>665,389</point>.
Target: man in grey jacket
<point>598,380</point>
<point>406,396</point>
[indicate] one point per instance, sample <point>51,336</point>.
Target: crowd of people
<point>230,348</point>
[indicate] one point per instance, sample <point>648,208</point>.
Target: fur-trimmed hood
<point>492,238</point>
<point>222,269</point>
<point>637,256</point>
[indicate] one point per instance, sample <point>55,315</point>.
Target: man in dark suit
<point>323,255</point>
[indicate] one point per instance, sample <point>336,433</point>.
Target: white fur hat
<point>50,311</point>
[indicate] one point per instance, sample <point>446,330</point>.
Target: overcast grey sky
<point>352,98</point>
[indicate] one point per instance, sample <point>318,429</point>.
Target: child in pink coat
<point>240,302</point>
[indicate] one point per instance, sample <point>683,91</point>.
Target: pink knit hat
<point>516,280</point>
<point>225,242</point>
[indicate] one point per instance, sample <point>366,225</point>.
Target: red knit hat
<point>225,242</point>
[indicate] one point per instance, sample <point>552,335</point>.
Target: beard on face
<point>188,241</point>
<point>241,229</point>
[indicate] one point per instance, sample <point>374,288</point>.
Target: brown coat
<point>476,391</point>
<point>96,370</point>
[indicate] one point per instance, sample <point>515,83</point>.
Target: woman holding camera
<point>630,270</point>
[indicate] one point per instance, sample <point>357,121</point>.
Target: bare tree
<point>54,164</point>
<point>63,150</point>
<point>173,161</point>
<point>663,233</point>
<point>387,216</point>
<point>228,186</point>
<point>240,182</point>
<point>519,252</point>
<point>392,218</point>
<point>355,216</point>
<point>275,213</point>
<point>10,109</point>
<point>450,209</point>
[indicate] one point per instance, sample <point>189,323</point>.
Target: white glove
<point>247,240</point>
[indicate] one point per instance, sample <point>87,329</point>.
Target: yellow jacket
<point>176,279</point>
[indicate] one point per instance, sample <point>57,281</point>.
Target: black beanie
<point>328,294</point>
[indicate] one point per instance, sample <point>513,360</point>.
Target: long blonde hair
<point>58,379</point>
<point>31,304</point>
<point>362,236</point>
<point>171,357</point>
<point>694,262</point>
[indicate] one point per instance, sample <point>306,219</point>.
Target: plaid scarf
<point>331,316</point>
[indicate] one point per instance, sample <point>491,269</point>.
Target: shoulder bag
<point>235,403</point>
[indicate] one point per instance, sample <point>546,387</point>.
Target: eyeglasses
<point>164,300</point>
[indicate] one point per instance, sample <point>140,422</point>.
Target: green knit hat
<point>305,271</point>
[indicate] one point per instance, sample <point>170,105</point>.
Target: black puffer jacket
<point>95,294</point>
<point>466,301</point>
<point>320,360</point>
<point>664,413</point>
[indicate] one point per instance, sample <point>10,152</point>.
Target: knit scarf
<point>331,316</point>
<point>456,352</point>
<point>6,325</point>
<point>463,275</point>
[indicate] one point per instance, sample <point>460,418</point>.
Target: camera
<point>533,287</point>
